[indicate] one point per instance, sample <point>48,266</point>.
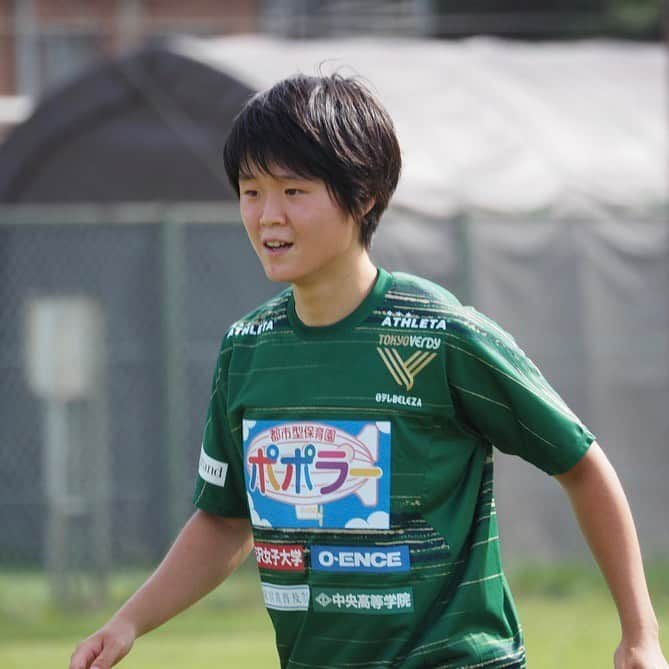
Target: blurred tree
<point>637,17</point>
<point>541,19</point>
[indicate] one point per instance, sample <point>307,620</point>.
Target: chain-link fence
<point>111,320</point>
<point>164,293</point>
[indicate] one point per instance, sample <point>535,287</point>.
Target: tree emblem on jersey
<point>405,371</point>
<point>324,600</point>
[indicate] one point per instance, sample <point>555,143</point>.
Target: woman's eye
<point>292,191</point>
<point>250,193</point>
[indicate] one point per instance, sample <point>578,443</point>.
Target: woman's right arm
<point>208,549</point>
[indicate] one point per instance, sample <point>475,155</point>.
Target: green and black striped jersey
<point>362,452</point>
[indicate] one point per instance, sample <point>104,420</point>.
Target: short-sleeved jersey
<point>362,454</point>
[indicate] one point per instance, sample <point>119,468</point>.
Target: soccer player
<point>350,431</point>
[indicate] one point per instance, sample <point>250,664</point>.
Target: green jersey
<point>362,454</point>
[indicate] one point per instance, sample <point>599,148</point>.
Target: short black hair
<point>325,127</point>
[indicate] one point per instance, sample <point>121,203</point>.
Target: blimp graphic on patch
<point>330,474</point>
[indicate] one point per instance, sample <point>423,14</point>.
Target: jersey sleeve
<point>501,394</point>
<point>220,487</point>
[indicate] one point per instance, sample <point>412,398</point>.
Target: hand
<point>643,655</point>
<point>105,648</point>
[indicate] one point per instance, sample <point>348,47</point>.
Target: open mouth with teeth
<point>277,245</point>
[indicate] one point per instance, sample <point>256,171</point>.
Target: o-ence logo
<point>360,558</point>
<point>329,474</point>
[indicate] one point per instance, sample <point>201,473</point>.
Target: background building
<point>44,42</point>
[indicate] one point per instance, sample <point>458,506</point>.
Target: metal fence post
<point>173,369</point>
<point>466,269</point>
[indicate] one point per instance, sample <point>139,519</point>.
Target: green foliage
<point>572,18</point>
<point>637,17</point>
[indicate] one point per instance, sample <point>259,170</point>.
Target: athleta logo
<point>405,371</point>
<point>405,319</point>
<point>360,558</point>
<point>253,328</point>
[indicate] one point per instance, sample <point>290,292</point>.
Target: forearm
<point>206,551</point>
<point>604,515</point>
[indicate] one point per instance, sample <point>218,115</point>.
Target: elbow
<point>588,468</point>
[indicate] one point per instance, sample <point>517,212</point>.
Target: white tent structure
<point>13,110</point>
<point>492,125</point>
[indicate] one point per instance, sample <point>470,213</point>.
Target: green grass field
<point>568,618</point>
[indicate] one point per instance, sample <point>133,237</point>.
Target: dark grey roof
<point>149,126</point>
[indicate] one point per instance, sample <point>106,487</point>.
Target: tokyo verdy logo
<point>405,371</point>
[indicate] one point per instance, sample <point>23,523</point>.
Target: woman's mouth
<point>277,247</point>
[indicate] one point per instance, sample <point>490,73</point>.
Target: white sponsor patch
<point>286,597</point>
<point>212,471</point>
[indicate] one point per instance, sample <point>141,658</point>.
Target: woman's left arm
<point>602,510</point>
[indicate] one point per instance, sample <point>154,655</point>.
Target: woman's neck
<point>335,293</point>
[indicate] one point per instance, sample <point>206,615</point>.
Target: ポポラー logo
<point>330,474</point>
<point>405,371</point>
<point>360,558</point>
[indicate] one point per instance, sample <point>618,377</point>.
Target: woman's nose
<point>272,212</point>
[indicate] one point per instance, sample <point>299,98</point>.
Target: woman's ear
<point>369,205</point>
